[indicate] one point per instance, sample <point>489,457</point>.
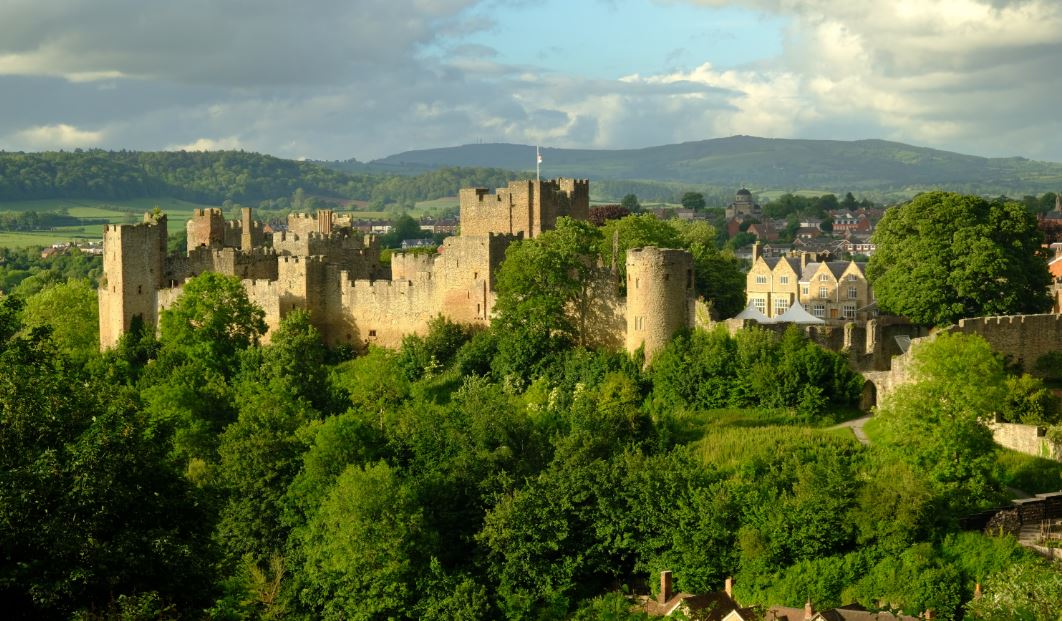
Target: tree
<point>402,228</point>
<point>693,200</point>
<point>92,511</point>
<point>944,256</point>
<point>718,275</point>
<point>211,321</point>
<point>1029,591</point>
<point>630,203</point>
<point>364,548</point>
<point>70,310</point>
<point>636,231</point>
<point>936,423</point>
<point>543,294</point>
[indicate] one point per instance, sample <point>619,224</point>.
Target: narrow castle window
<point>139,289</point>
<point>689,278</point>
<point>372,334</point>
<point>637,281</point>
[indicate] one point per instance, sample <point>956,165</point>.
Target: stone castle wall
<point>322,266</point>
<point>1028,439</point>
<point>1023,338</point>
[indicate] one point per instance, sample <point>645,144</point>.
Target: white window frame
<point>819,310</point>
<point>761,279</point>
<point>783,280</point>
<point>848,311</point>
<point>853,293</point>
<point>824,293</point>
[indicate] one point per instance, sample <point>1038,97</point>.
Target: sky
<point>336,79</point>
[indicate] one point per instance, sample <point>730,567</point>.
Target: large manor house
<point>322,264</point>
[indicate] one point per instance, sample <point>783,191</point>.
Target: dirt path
<point>856,425</point>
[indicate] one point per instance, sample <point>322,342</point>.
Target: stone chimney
<point>755,250</point>
<point>809,612</point>
<point>803,261</point>
<point>665,586</point>
<point>728,586</point>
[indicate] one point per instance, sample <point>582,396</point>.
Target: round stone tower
<point>659,297</point>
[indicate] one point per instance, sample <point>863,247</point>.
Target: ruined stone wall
<point>382,312</point>
<point>1028,439</point>
<point>577,192</point>
<point>346,251</point>
<point>259,263</point>
<point>1022,338</point>
<point>900,372</point>
<point>524,207</point>
<point>302,224</point>
<point>464,274</point>
<point>604,319</point>
<point>133,263</point>
<point>409,265</point>
<point>659,297</point>
<point>206,227</point>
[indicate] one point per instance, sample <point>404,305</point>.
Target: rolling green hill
<point>216,177</point>
<point>765,164</point>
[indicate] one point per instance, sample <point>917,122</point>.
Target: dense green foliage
<point>944,256</point>
<point>475,476</point>
<point>24,272</point>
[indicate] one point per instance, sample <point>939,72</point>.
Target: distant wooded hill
<point>875,166</point>
<point>215,177</point>
<point>875,169</point>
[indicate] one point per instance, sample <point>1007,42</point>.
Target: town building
<point>325,265</point>
<point>834,291</point>
<point>743,205</point>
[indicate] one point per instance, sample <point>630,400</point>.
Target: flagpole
<point>538,165</point>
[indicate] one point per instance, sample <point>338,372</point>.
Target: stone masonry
<point>323,265</point>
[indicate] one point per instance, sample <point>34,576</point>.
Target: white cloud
<point>61,136</point>
<point>229,143</point>
<point>369,78</point>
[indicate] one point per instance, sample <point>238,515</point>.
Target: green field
<point>437,204</point>
<point>114,212</point>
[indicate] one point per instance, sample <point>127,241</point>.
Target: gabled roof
<point>837,268</point>
<point>797,314</point>
<point>773,261</point>
<point>751,312</point>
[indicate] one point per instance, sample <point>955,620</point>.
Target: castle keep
<point>322,265</point>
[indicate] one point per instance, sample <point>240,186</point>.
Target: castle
<point>322,265</point>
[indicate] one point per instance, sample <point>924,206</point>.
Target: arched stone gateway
<point>869,397</point>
